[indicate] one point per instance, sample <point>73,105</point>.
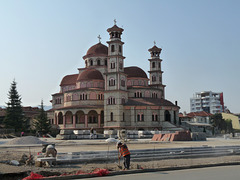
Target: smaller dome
<point>135,72</point>
<point>97,50</point>
<point>89,75</point>
<point>69,80</point>
<point>115,28</point>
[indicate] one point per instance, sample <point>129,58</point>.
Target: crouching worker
<point>123,149</point>
<point>51,152</point>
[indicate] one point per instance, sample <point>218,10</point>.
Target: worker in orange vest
<point>123,149</point>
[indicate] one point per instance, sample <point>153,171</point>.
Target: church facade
<point>106,95</point>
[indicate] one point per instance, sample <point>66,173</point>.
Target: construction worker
<point>123,149</point>
<point>91,133</point>
<point>50,150</point>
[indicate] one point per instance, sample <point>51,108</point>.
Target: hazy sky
<point>42,41</point>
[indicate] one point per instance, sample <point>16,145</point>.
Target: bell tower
<point>115,49</point>
<point>155,73</point>
<point>116,93</point>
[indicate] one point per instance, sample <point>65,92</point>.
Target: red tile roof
<point>90,74</point>
<point>149,102</point>
<point>135,71</point>
<point>155,48</point>
<point>69,80</point>
<point>97,50</point>
<point>115,28</point>
<point>202,113</point>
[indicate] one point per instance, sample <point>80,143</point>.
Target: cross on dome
<point>154,42</point>
<point>99,37</point>
<point>115,21</point>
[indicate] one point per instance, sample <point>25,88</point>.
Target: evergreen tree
<point>41,123</point>
<point>218,122</point>
<point>229,127</point>
<point>14,118</point>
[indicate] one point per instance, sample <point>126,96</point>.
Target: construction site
<point>22,157</point>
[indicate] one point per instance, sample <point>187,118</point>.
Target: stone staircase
<point>167,126</point>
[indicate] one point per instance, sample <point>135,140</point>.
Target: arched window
<point>159,65</point>
<point>111,100</point>
<point>111,82</point>
<point>83,96</point>
<point>91,62</point>
<point>123,116</point>
<point>105,62</point>
<point>69,97</point>
<point>122,82</point>
<point>154,95</point>
<point>120,65</point>
<point>112,65</point>
<point>154,117</point>
<point>99,62</point>
<point>111,116</point>
<point>138,94</point>
<point>153,78</point>
<point>140,117</point>
<point>100,96</point>
<point>112,48</point>
<point>153,64</point>
<point>120,48</point>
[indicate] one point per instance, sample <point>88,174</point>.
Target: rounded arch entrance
<point>69,117</point>
<point>167,116</point>
<point>92,117</point>
<point>80,117</point>
<point>60,118</point>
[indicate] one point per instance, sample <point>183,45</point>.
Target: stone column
<point>74,121</point>
<point>64,121</point>
<point>55,119</point>
<point>86,120</point>
<point>99,120</point>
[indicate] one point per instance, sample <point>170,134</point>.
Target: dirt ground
<point>15,153</point>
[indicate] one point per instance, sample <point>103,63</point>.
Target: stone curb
<point>81,176</point>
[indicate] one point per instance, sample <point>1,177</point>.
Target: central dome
<point>89,75</point>
<point>135,72</point>
<point>97,50</point>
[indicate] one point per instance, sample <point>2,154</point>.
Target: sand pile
<point>25,140</point>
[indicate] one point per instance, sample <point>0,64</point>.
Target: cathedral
<point>106,95</point>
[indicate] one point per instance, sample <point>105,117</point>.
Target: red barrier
<point>98,172</point>
<point>33,176</point>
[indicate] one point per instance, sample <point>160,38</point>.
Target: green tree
<point>229,128</point>
<point>218,122</point>
<point>14,118</point>
<point>41,123</point>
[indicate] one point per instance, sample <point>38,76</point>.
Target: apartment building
<point>208,101</point>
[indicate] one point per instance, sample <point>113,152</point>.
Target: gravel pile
<point>25,140</point>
